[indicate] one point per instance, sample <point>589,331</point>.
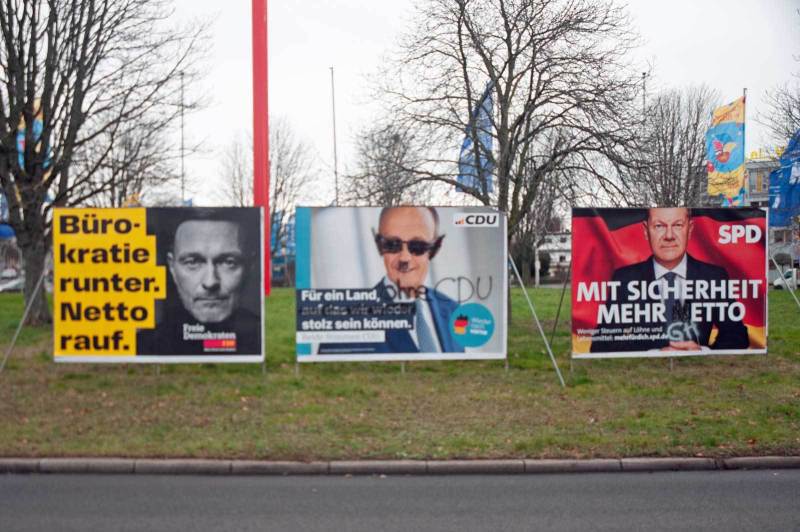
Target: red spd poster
<point>665,282</point>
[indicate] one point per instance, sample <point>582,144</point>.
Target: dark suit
<point>167,337</point>
<point>441,308</point>
<point>731,334</point>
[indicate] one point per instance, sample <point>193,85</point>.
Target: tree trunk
<point>33,257</point>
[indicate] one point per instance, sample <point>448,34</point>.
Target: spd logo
<point>489,219</point>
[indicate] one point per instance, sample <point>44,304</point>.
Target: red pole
<point>261,125</point>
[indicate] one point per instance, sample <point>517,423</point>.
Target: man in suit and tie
<point>667,231</point>
<point>210,253</point>
<point>408,238</point>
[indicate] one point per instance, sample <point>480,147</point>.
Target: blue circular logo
<point>472,325</point>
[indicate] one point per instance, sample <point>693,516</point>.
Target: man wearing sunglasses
<point>407,240</point>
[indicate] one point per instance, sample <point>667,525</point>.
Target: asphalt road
<point>714,500</point>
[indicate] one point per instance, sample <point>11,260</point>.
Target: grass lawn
<point>712,406</point>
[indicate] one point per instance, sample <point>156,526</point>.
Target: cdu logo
<point>476,220</point>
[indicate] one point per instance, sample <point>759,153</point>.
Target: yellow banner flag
<point>725,153</point>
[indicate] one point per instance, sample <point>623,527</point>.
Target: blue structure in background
<point>784,186</point>
<point>283,252</point>
<point>3,208</point>
<point>5,230</point>
<point>472,173</point>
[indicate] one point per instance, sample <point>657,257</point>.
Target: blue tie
<point>670,300</point>
<point>424,335</point>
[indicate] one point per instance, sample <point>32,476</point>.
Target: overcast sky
<point>728,45</point>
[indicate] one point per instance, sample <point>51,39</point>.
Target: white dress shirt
<point>679,271</point>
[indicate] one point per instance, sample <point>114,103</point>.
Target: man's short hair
<point>647,211</point>
<point>432,210</point>
<point>209,214</point>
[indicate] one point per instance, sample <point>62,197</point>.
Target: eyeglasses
<point>415,246</point>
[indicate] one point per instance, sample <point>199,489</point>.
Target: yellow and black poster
<point>158,285</point>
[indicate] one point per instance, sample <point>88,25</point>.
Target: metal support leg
<point>538,324</point>
<point>22,321</point>
<point>785,284</point>
<point>560,302</point>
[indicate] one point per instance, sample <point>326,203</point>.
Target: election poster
<point>667,282</point>
<point>400,283</point>
<point>158,285</point>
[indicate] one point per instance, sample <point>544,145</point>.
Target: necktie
<point>669,302</point>
<point>424,334</point>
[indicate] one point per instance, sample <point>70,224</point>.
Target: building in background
<point>757,171</point>
<point>555,256</point>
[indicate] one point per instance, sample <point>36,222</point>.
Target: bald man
<point>407,240</point>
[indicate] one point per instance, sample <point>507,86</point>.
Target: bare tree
<point>560,78</point>
<point>136,164</point>
<point>237,177</point>
<point>782,116</point>
<point>86,71</point>
<point>542,218</point>
<point>291,171</point>
<point>669,158</point>
<point>387,157</point>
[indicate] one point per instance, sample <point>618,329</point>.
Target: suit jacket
<point>731,334</point>
<point>167,337</point>
<point>399,341</point>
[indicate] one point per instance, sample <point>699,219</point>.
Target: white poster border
<point>211,358</point>
<point>407,357</point>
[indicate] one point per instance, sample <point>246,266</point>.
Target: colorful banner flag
<point>472,173</point>
<point>38,127</point>
<point>784,186</point>
<point>725,154</point>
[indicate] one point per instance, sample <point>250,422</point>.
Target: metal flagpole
<point>183,173</point>
<point>745,180</point>
<point>335,152</point>
<point>24,317</point>
<point>538,324</point>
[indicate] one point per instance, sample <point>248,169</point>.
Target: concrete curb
<point>599,465</point>
<point>147,466</point>
<point>182,467</point>
<point>261,467</point>
<point>19,465</point>
<point>762,462</point>
<point>475,467</point>
<point>668,464</point>
<point>378,467</point>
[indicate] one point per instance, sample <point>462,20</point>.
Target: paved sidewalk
<point>148,466</point>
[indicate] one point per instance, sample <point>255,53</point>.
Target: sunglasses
<point>415,246</point>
